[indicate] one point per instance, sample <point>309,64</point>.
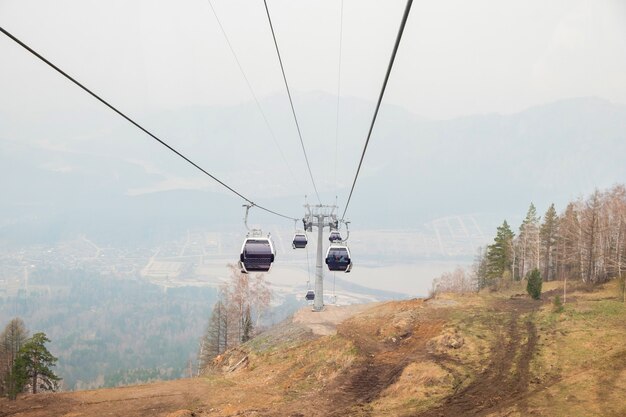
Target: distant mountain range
<point>62,174</point>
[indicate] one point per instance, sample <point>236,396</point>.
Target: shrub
<point>557,305</point>
<point>533,287</point>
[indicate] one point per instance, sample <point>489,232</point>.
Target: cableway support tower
<point>320,216</point>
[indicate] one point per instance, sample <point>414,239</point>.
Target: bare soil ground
<point>480,355</point>
<point>142,400</point>
<point>387,338</point>
<point>324,323</point>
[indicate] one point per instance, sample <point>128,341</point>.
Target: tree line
<point>585,242</point>
<point>25,361</point>
<point>236,315</point>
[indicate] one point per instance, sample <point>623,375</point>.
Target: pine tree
<point>548,234</point>
<point>499,256</point>
<point>32,366</point>
<point>11,341</point>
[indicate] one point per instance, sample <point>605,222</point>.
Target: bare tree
<point>262,296</point>
<point>590,227</point>
<point>529,242</point>
<point>570,242</point>
<point>214,340</point>
<point>458,281</point>
<point>245,292</point>
<point>548,234</point>
<point>11,341</point>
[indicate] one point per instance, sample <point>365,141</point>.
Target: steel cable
<point>380,99</point>
<point>256,100</point>
<point>293,110</point>
<point>137,125</point>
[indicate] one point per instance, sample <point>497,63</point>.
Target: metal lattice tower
<point>320,216</point>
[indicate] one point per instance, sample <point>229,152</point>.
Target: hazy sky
<point>154,59</point>
<point>458,57</point>
<point>147,57</point>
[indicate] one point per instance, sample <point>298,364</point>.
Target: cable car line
<point>338,93</point>
<point>380,98</point>
<point>254,96</point>
<point>293,110</point>
<point>131,121</point>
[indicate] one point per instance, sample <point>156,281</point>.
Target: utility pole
<point>320,216</point>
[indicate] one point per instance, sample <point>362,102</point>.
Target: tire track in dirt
<point>505,381</point>
<point>382,366</point>
<point>382,360</point>
<point>507,377</point>
<point>387,341</point>
<point>362,385</point>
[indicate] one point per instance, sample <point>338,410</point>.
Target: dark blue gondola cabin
<point>257,255</point>
<point>334,236</point>
<point>338,258</point>
<point>299,241</point>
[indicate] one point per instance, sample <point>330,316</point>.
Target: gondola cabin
<point>338,258</point>
<point>310,295</point>
<point>257,254</point>
<point>299,241</point>
<point>334,236</point>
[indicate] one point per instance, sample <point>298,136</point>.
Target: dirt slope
<point>507,376</point>
<point>479,355</point>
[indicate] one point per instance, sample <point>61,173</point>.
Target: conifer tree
<point>32,366</point>
<point>533,286</point>
<point>499,256</point>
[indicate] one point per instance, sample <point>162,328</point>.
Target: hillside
<point>482,355</point>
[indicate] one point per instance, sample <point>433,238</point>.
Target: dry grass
<point>580,368</point>
<point>420,385</point>
<point>316,364</point>
<point>444,370</point>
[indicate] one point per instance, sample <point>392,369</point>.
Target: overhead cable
<point>97,97</point>
<point>380,98</point>
<point>338,92</point>
<point>293,110</point>
<point>256,100</point>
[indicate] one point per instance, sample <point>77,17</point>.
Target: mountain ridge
<point>415,170</point>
